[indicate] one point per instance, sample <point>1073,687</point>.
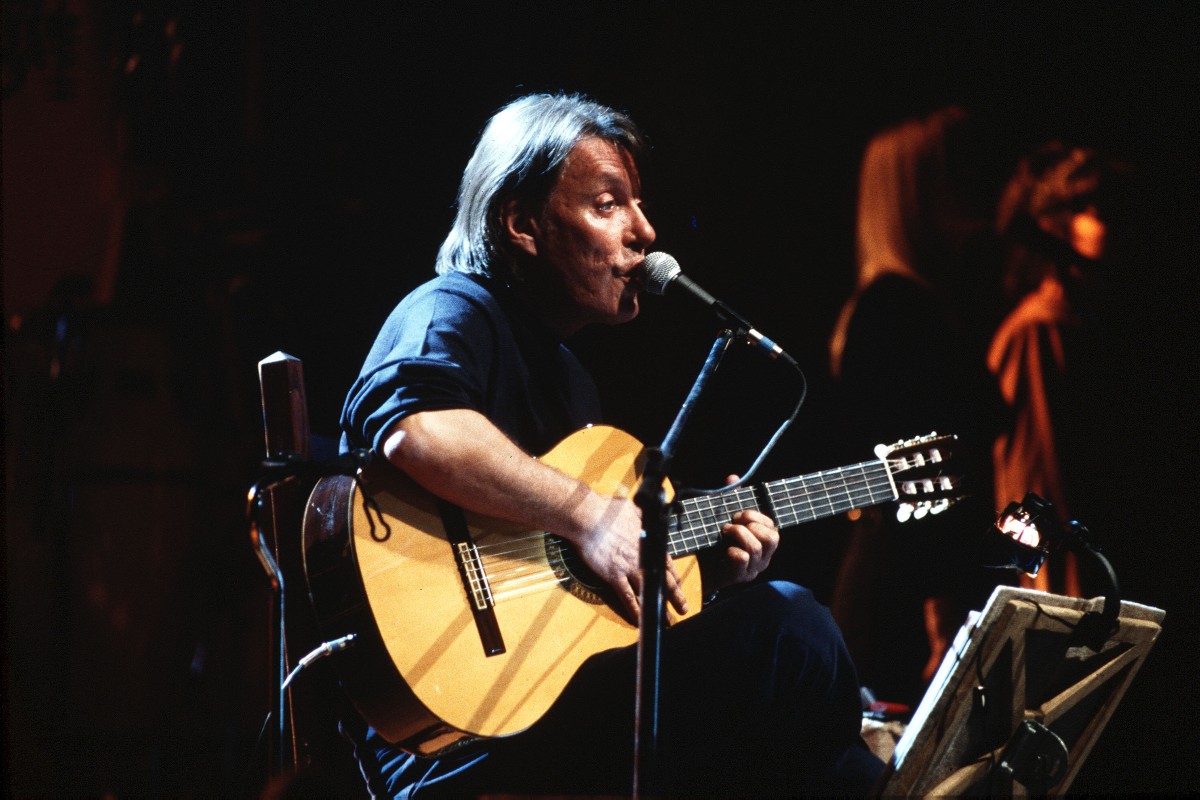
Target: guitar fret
<point>691,520</point>
<point>806,496</point>
<point>825,507</point>
<point>716,516</point>
<point>860,493</point>
<point>809,497</point>
<point>880,490</point>
<point>699,524</point>
<point>839,505</point>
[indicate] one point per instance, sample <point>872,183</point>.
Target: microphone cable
<point>770,445</point>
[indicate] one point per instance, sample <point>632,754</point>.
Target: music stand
<point>1018,703</point>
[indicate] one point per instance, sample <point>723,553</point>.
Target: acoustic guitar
<point>469,626</point>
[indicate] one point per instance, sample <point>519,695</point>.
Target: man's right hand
<point>609,541</point>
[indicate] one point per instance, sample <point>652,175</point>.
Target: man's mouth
<point>635,276</point>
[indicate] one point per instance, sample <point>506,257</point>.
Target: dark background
<point>188,189</point>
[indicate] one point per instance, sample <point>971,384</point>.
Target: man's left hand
<point>750,538</point>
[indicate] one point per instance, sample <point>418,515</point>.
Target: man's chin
<point>628,310</point>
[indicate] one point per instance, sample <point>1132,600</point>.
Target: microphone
<point>663,270</point>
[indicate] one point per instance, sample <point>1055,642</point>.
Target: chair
<point>303,741</point>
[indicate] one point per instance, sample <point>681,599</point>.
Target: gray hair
<point>519,156</point>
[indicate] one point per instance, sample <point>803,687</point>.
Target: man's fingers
<point>629,592</point>
<point>757,533</point>
<point>629,596</point>
<point>675,588</point>
<point>743,562</point>
<point>745,538</point>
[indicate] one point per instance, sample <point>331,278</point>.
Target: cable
<point>684,494</point>
<point>321,651</point>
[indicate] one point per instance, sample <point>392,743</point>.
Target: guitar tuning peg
<point>904,512</point>
<point>921,510</point>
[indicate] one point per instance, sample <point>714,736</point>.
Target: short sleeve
<point>434,352</point>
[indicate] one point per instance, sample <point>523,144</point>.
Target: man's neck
<point>547,310</point>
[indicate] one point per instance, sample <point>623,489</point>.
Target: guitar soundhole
<point>577,578</point>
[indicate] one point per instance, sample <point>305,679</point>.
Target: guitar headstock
<point>918,470</point>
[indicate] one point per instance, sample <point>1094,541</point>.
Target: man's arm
<point>460,456</point>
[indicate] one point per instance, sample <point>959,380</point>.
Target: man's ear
<point>520,226</point>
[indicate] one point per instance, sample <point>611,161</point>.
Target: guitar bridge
<point>474,577</point>
<point>476,580</point>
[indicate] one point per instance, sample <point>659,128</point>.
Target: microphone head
<point>661,269</point>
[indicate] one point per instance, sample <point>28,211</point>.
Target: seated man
<point>469,378</point>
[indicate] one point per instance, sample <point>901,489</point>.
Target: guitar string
<point>515,570</point>
<point>537,578</point>
<point>508,594</point>
<point>698,517</point>
<point>518,582</point>
<point>531,570</point>
<point>531,577</point>
<point>793,501</point>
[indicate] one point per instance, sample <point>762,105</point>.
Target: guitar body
<point>421,672</point>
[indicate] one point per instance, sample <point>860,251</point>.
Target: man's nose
<point>643,231</point>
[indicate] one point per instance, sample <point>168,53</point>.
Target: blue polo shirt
<point>463,341</point>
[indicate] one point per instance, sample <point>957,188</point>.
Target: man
<point>469,378</point>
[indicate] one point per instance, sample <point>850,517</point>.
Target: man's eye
<point>606,205</point>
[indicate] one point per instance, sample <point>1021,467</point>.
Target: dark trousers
<point>758,697</point>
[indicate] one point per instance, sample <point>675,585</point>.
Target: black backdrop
<point>305,160</point>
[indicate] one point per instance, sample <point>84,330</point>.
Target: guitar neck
<point>698,522</point>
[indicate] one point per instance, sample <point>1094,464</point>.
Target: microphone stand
<point>651,498</point>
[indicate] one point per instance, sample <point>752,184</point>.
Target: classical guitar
<point>470,627</point>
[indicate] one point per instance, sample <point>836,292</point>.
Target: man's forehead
<point>599,159</point>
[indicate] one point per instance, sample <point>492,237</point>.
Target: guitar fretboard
<point>790,501</point>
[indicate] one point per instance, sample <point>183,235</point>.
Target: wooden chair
<point>303,741</point>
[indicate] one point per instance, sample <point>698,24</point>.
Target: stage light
<point>1027,533</point>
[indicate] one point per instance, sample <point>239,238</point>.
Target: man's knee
<point>797,608</point>
<point>804,632</point>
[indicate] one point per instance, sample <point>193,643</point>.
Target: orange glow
<point>1088,234</point>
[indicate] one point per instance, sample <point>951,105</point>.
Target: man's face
<point>590,240</point>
